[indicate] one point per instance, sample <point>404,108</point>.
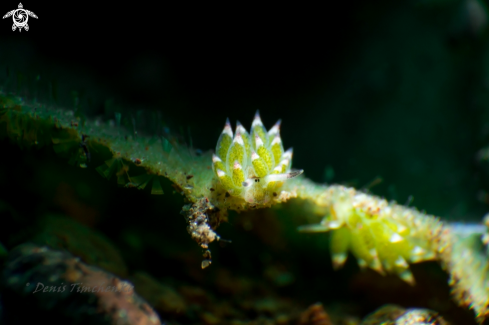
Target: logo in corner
<point>20,17</point>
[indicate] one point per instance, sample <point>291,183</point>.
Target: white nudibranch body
<point>252,165</point>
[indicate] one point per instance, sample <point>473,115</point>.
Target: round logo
<point>20,18</point>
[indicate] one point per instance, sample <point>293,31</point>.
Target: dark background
<point>396,90</point>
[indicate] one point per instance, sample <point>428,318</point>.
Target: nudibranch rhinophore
<point>252,165</point>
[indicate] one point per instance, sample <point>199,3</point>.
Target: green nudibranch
<point>383,236</point>
<point>252,165</point>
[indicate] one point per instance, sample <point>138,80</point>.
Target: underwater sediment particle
<point>396,315</point>
<point>252,166</point>
<point>202,217</point>
<point>58,287</point>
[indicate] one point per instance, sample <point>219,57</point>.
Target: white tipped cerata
<point>254,165</point>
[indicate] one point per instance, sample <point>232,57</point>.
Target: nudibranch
<point>383,236</point>
<point>252,165</point>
